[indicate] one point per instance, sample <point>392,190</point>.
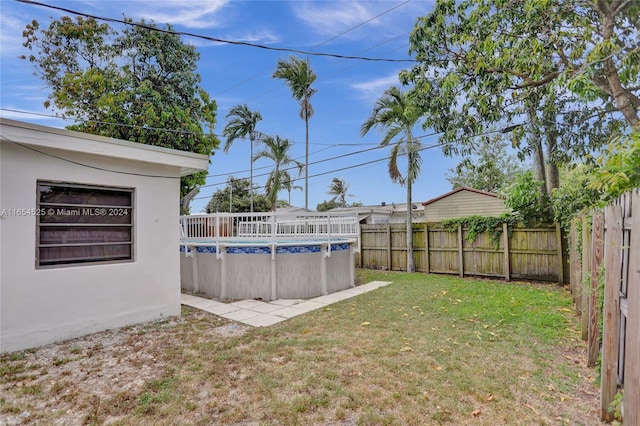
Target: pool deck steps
<point>257,313</point>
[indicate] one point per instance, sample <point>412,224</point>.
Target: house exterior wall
<point>463,204</point>
<point>44,305</point>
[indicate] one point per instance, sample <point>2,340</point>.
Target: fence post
<point>574,263</point>
<point>460,251</point>
<point>586,277</point>
<point>426,247</point>
<point>559,249</point>
<point>597,231</point>
<point>389,246</point>
<point>611,314</point>
<point>632,343</point>
<point>505,243</point>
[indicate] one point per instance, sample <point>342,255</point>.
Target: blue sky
<point>346,89</point>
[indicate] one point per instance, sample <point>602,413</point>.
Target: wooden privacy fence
<point>605,251</point>
<point>522,253</point>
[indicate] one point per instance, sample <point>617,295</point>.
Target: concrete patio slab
<point>263,320</point>
<point>257,313</point>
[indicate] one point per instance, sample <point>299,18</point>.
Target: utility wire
<point>216,39</point>
<point>363,23</point>
<point>436,145</point>
<point>320,44</point>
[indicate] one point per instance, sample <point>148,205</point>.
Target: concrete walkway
<point>263,314</point>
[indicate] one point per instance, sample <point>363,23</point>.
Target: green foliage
<point>326,205</point>
<point>619,169</point>
<point>339,189</point>
<point>488,168</point>
<point>138,85</point>
<point>615,407</point>
<point>524,197</point>
<point>279,151</point>
<point>476,225</point>
<point>237,190</point>
<point>543,69</point>
<point>573,196</point>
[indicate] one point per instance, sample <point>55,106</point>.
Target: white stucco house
<point>88,233</point>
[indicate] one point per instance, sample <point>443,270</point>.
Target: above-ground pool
<point>224,256</point>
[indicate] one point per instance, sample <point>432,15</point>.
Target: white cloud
<point>11,40</point>
<point>191,14</point>
<point>370,91</point>
<point>362,19</point>
<point>331,18</point>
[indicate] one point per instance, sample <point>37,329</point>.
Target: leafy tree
<point>569,70</point>
<point>139,84</point>
<point>279,151</point>
<point>619,169</point>
<point>238,193</point>
<point>396,113</point>
<point>339,188</point>
<point>326,205</point>
<point>524,198</point>
<point>488,169</point>
<point>242,123</point>
<point>574,195</point>
<point>299,76</point>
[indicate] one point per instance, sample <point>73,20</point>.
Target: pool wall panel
<point>248,276</point>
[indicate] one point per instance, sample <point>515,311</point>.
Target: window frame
<point>42,207</point>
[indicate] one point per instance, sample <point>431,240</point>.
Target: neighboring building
<point>463,202</point>
<point>368,215</point>
<point>89,233</point>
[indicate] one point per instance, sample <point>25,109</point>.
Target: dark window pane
<point>84,196</point>
<point>79,215</point>
<point>75,235</point>
<point>62,255</point>
<point>80,231</point>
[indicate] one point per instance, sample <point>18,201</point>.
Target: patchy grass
<point>424,350</point>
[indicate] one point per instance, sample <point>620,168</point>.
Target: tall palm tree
<point>289,186</point>
<point>339,188</point>
<point>299,76</point>
<point>279,151</point>
<point>395,113</point>
<point>242,123</point>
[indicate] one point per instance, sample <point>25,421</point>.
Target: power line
<point>320,44</point>
<point>216,39</point>
<point>436,145</point>
<point>363,23</point>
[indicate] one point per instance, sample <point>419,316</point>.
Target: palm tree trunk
<point>251,176</point>
<point>410,264</point>
<point>306,163</point>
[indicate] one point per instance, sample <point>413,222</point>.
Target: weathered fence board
<point>534,254</point>
<point>632,337</point>
<point>620,346</point>
<point>611,314</point>
<point>597,248</point>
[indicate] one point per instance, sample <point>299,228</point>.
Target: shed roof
<point>35,135</point>
<point>455,191</point>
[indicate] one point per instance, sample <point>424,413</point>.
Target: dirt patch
<point>61,383</point>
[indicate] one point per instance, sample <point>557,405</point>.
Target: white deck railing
<point>268,226</point>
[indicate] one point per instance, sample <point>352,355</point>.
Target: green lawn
<point>427,349</point>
